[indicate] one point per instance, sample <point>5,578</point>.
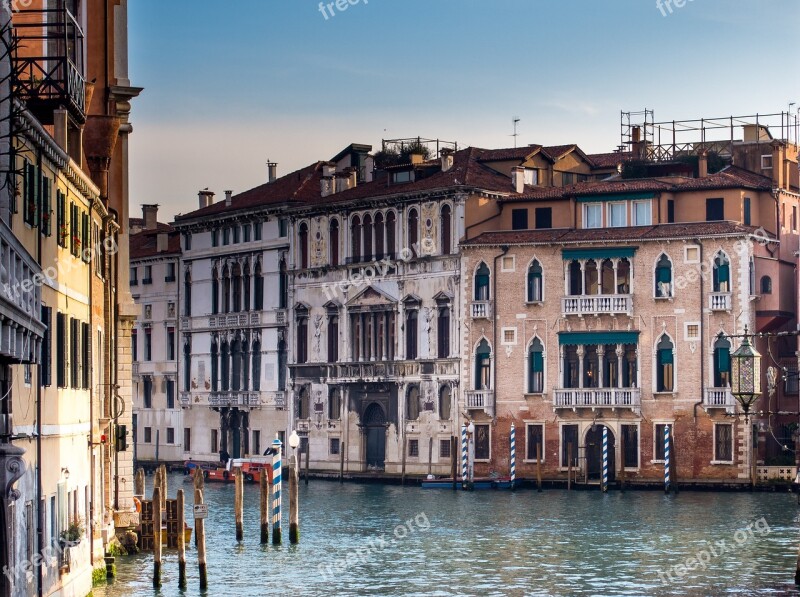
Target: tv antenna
<point>515,121</point>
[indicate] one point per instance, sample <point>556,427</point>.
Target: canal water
<point>389,540</point>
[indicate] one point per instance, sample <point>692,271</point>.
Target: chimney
<point>273,170</point>
<point>341,180</point>
<point>326,186</point>
<point>228,198</point>
<point>518,179</point>
<point>328,169</point>
<point>205,198</point>
<point>150,216</point>
<point>778,165</point>
<point>162,242</point>
<point>417,158</point>
<point>447,159</point>
<point>352,178</point>
<point>702,163</point>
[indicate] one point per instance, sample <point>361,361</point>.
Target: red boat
<point>252,469</point>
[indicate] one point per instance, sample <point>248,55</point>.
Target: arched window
<point>447,230</point>
<point>411,333</point>
<point>607,277</point>
<point>367,233</point>
<point>766,285</point>
<point>214,291</point>
<point>413,231</point>
<point>623,276</point>
<point>257,367</point>
<point>412,403</point>
<point>535,282</point>
<point>333,242</point>
<point>302,239</point>
<point>246,284</point>
<point>245,364</point>
<point>665,365</point>
<point>335,404</point>
<point>575,278</point>
<point>236,282</point>
<point>722,362</point>
<point>379,234</point>
<point>443,330</point>
<point>302,336</point>
<point>226,290</point>
<point>663,277</point>
<point>236,375</point>
<point>283,285</point>
<point>226,364</point>
<point>355,239</point>
<point>391,250</point>
<point>482,283</point>
<point>214,366</point>
<point>302,406</point>
<point>282,365</point>
<point>445,403</point>
<point>333,337</point>
<point>187,293</point>
<point>187,365</point>
<point>722,273</point>
<point>483,378</point>
<point>592,277</point>
<point>536,367</point>
<point>258,286</point>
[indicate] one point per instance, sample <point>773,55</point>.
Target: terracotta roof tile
<point>511,153</point>
<point>610,160</point>
<point>144,244</point>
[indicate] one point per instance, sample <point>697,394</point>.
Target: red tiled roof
<point>144,244</point>
<point>594,235</point>
<point>610,160</point>
<point>511,153</point>
<point>556,151</point>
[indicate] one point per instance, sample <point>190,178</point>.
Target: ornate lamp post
<point>746,386</point>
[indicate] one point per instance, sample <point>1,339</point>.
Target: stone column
<point>601,351</point>
<point>12,467</point>
<point>583,278</point>
<point>581,353</point>
<point>620,356</point>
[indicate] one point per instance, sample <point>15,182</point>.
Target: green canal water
<point>388,540</point>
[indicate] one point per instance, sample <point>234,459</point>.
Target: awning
<point>611,337</point>
<point>598,253</point>
<point>616,197</point>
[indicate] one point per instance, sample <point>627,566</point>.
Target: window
<point>47,347</point>
<point>246,233</point>
<point>46,207</point>
<point>723,442</point>
<point>509,336</point>
<point>790,380</point>
<point>508,264</point>
<point>148,344</point>
<point>148,274</point>
<point>444,448</point>
<point>746,211</point>
<point>355,239</point>
<point>443,331</point>
<point>302,238</point>
<point>413,448</point>
<point>413,231</point>
<point>412,403</point>
<point>86,357</point>
<point>535,286</point>
<point>692,331</point>
<point>187,365</point>
<point>544,217</point>
<point>256,350</point>
<point>170,393</point>
<point>31,180</point>
<point>445,403</point>
<point>390,235</point>
<point>214,291</point>
<point>283,229</point>
<point>482,445</point>
<point>519,219</point>
<point>642,215</point>
<point>335,404</point>
<point>531,176</point>
<point>411,333</point>
<point>147,392</point>
<point>187,241</point>
<point>722,362</point>
<point>534,442</point>
<point>74,340</point>
<point>302,405</point>
<point>366,229</point>
<point>236,235</point>
<point>617,215</point>
<point>333,242</point>
<point>302,337</point>
<point>722,275</point>
<point>665,373</point>
<point>658,442</point>
<point>258,286</point>
<point>766,162</point>
<point>483,379</point>
<point>170,344</point>
<point>148,435</point>
<point>226,236</point>
<point>403,176</point>
<point>630,438</point>
<point>567,178</point>
<point>447,230</point>
<point>333,448</point>
<point>256,443</point>
<point>187,439</point>
<point>170,277</point>
<point>215,238</point>
<point>715,210</point>
<point>670,211</point>
<point>663,277</point>
<point>592,215</point>
<point>135,345</point>
<point>170,435</point>
<point>214,441</point>
<point>536,367</point>
<point>187,293</point>
<point>380,231</point>
<point>482,283</point>
<point>333,337</point>
<point>74,229</point>
<point>61,218</point>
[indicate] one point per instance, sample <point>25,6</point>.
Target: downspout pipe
<point>39,493</point>
<point>504,249</point>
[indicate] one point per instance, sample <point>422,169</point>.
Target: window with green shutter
<point>47,208</point>
<point>666,372</point>
<point>536,367</point>
<point>85,240</point>
<point>31,194</point>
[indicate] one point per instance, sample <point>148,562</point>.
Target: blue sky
<point>230,85</point>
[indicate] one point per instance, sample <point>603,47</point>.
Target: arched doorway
<point>594,452</point>
<point>375,426</point>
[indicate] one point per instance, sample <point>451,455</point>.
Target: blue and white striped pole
<point>276,491</point>
<point>666,458</point>
<point>605,458</point>
<point>513,455</point>
<point>463,453</point>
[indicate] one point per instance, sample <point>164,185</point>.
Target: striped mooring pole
<point>666,458</point>
<point>463,453</point>
<point>513,455</point>
<point>276,491</point>
<point>605,458</point>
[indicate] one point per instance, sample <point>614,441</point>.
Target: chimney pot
<point>702,164</point>
<point>228,198</point>
<point>518,179</point>
<point>273,171</point>
<point>150,216</point>
<point>326,186</point>
<point>447,159</point>
<point>205,198</point>
<point>328,169</point>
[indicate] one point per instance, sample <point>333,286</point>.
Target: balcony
<point>479,399</point>
<point>48,62</point>
<point>719,398</point>
<point>280,399</point>
<point>185,398</point>
<point>374,371</point>
<point>481,309</point>
<point>598,398</point>
<point>249,399</point>
<point>600,304</point>
<point>719,301</point>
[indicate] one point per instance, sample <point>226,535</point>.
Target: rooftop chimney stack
<point>205,198</point>
<point>702,163</point>
<point>150,216</point>
<point>228,198</point>
<point>447,159</point>
<point>518,179</point>
<point>273,171</point>
<point>326,186</point>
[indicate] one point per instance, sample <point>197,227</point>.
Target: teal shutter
<point>664,274</point>
<point>665,357</point>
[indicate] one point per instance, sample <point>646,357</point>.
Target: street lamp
<point>294,442</point>
<point>746,374</point>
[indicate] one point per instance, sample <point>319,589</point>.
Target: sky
<point>231,85</point>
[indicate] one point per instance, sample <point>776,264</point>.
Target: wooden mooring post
<point>265,501</point>
<point>538,467</point>
<point>294,515</point>
<point>200,533</point>
<point>181,540</point>
<point>454,460</point>
<point>403,463</point>
<point>164,489</point>
<point>238,502</point>
<point>569,466</point>
<point>308,459</point>
<point>138,483</point>
<point>157,537</point>
<point>342,448</point>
